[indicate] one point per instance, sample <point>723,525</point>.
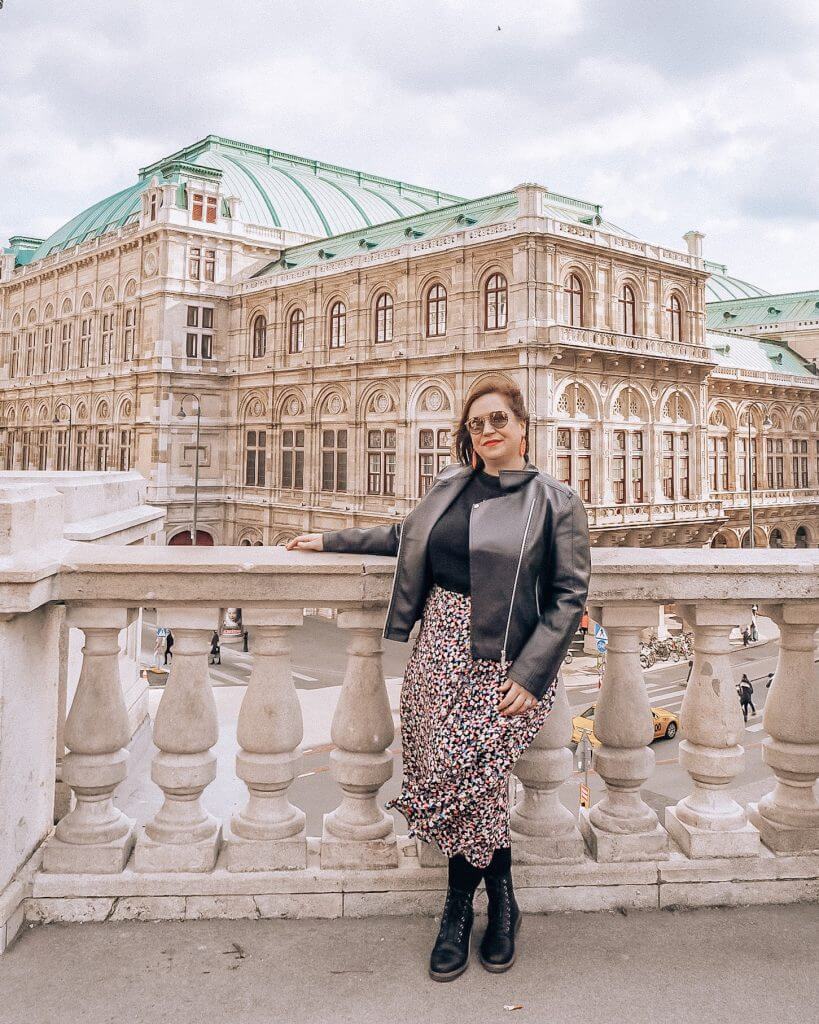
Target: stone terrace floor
<point>756,964</point>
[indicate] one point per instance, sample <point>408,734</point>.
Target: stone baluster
<point>621,826</point>
<point>544,831</point>
<point>95,837</point>
<point>788,817</point>
<point>359,833</point>
<point>269,832</point>
<point>709,822</point>
<point>183,836</point>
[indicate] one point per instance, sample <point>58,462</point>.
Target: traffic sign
<point>162,631</point>
<point>601,646</point>
<point>599,632</point>
<point>585,796</point>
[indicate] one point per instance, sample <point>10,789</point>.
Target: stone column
<point>183,836</point>
<point>269,832</point>
<point>95,837</point>
<point>358,833</point>
<point>621,826</point>
<point>543,830</point>
<point>788,817</point>
<point>709,822</point>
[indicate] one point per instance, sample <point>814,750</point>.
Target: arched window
<point>259,336</point>
<point>628,310</point>
<point>338,325</point>
<point>436,311</point>
<point>296,331</point>
<point>573,300</point>
<point>675,313</point>
<point>495,303</point>
<point>383,317</point>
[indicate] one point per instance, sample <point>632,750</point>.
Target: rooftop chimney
<point>693,239</point>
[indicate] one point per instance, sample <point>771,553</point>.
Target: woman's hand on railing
<point>306,542</point>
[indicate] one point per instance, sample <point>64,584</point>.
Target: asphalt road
<point>319,660</point>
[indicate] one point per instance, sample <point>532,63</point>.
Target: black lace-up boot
<point>450,954</point>
<point>497,949</point>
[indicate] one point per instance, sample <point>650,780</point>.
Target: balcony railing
<point>186,861</point>
<point>633,344</point>
<point>779,496</point>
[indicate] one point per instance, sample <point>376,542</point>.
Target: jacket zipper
<point>515,585</point>
<point>395,574</point>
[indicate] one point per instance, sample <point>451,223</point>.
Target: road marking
<point>225,678</point>
<point>756,727</point>
<point>304,678</point>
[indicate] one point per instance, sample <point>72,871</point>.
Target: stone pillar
<point>543,830</point>
<point>95,837</point>
<point>269,832</point>
<point>621,826</point>
<point>183,836</point>
<point>788,817</point>
<point>358,833</point>
<point>709,822</point>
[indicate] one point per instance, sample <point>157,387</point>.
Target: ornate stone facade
<point>329,369</point>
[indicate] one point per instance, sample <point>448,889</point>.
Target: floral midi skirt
<point>458,749</point>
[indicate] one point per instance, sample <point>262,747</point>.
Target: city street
<point>319,657</point>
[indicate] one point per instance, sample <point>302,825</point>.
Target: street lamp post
<point>57,421</point>
<point>182,415</point>
<point>766,424</point>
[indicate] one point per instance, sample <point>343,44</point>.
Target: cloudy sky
<point>674,115</point>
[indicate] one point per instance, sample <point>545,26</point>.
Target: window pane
<point>426,439</point>
<point>207,316</point>
<point>193,317</point>
<point>373,438</point>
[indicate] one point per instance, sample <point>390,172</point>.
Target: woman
<point>495,561</point>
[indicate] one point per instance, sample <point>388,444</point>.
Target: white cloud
<point>672,116</point>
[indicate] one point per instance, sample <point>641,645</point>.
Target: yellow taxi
<point>666,724</point>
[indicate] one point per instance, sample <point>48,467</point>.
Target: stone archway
<point>801,537</point>
<point>724,539</point>
<point>183,539</point>
<point>776,539</point>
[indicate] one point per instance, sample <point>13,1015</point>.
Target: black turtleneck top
<point>448,548</point>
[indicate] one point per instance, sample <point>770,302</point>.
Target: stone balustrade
<point>186,861</point>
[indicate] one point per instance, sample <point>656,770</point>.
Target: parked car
<point>666,724</point>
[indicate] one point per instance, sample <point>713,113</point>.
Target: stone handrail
<point>101,586</point>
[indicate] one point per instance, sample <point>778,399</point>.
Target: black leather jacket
<point>529,568</point>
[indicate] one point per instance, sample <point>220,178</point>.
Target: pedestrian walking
<point>168,647</point>
<point>746,636</point>
<point>244,641</point>
<point>496,566</point>
<point>215,649</point>
<point>746,691</point>
<point>584,623</point>
<point>159,649</point>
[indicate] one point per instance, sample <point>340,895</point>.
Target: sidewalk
<point>607,968</point>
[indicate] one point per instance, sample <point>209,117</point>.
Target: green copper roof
<point>275,190</point>
<point>397,232</point>
<point>743,353</point>
<point>769,309</point>
<point>720,286</point>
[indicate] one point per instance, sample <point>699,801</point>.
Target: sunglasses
<point>497,420</point>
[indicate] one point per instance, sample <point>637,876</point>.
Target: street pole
<point>750,482</point>
<point>196,474</point>
<point>68,444</point>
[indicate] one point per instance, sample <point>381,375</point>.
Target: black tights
<point>467,877</point>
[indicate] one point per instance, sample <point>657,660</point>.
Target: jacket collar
<point>508,478</point>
